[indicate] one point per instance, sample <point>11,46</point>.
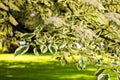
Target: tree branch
<point>106,38</point>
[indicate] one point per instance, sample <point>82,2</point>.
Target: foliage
<point>88,29</point>
<point>8,22</point>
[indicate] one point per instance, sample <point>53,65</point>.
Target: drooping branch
<point>21,28</point>
<point>106,38</point>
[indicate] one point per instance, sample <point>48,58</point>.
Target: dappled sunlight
<point>91,69</point>
<point>17,66</point>
<point>25,58</point>
<point>30,67</point>
<point>9,75</point>
<point>78,76</point>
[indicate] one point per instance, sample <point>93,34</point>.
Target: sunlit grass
<point>30,67</point>
<point>25,58</point>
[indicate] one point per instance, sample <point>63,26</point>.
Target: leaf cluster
<point>65,28</point>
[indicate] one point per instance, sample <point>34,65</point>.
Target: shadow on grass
<point>51,70</point>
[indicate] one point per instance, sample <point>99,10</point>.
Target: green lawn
<point>30,67</point>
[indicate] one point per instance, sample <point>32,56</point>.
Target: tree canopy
<point>87,28</point>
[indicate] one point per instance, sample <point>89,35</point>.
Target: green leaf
<point>74,46</point>
<point>37,42</point>
<point>52,49</point>
<point>39,27</point>
<point>99,71</point>
<point>62,45</point>
<point>36,31</point>
<point>12,20</point>
<point>35,52</point>
<point>3,6</point>
<point>42,40</point>
<point>104,77</point>
<point>43,48</point>
<point>27,36</point>
<point>13,6</point>
<point>70,35</point>
<point>81,63</point>
<point>21,50</point>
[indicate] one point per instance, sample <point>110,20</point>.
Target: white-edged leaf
<point>35,52</point>
<point>52,49</point>
<point>27,36</point>
<point>12,20</point>
<point>43,48</point>
<point>63,45</point>
<point>21,50</point>
<point>99,71</point>
<point>81,63</point>
<point>104,77</point>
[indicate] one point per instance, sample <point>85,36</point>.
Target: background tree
<point>88,29</point>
